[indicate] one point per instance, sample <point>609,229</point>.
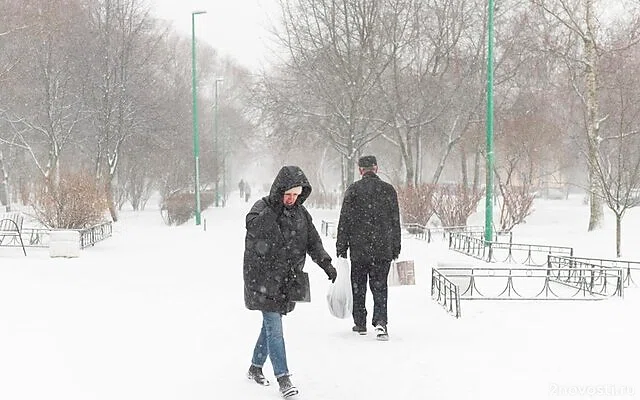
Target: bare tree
<point>12,22</point>
<point>427,81</point>
<point>618,162</point>
<point>574,32</point>
<point>124,43</point>
<point>336,53</point>
<point>45,118</point>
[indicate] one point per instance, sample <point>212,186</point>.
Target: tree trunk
<point>348,171</point>
<point>108,188</point>
<point>408,160</point>
<point>618,234</point>
<point>418,174</point>
<point>463,167</point>
<point>596,215</point>
<point>476,171</point>
<point>4,186</point>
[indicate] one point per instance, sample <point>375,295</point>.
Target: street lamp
<point>215,141</point>
<point>196,138</point>
<point>488,215</point>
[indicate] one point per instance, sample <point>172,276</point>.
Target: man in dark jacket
<point>369,227</point>
<point>280,234</point>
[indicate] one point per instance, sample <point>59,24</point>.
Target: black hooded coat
<point>277,242</point>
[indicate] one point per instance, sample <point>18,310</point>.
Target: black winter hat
<point>367,162</point>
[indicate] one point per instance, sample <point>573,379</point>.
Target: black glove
<point>277,208</point>
<point>342,253</point>
<point>331,273</point>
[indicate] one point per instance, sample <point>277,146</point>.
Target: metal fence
<point>94,234</point>
<point>507,252</point>
<point>549,283</point>
<point>429,233</point>
<point>327,227</point>
<point>629,268</point>
<point>445,292</point>
<point>39,237</point>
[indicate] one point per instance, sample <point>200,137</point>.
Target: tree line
<point>101,86</point>
<point>408,80</point>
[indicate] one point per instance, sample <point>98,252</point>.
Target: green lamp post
<point>196,138</point>
<point>488,223</point>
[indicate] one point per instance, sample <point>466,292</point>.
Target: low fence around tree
<point>552,272</point>
<point>39,237</point>
<point>518,253</point>
<point>445,292</point>
<point>95,234</point>
<point>450,285</point>
<point>629,268</point>
<point>428,233</point>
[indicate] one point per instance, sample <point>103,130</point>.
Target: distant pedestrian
<point>369,227</point>
<point>280,234</point>
<point>241,187</point>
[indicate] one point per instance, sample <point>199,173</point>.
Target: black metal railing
<point>94,234</point>
<point>507,252</point>
<point>33,237</point>
<point>325,227</point>
<point>446,293</point>
<point>550,283</point>
<point>428,233</point>
<point>629,268</point>
<point>40,237</point>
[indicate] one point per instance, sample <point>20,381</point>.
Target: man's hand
<point>331,273</point>
<point>396,253</point>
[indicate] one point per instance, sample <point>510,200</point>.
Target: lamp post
<point>488,220</point>
<point>215,141</point>
<point>196,138</point>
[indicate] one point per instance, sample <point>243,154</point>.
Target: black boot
<point>361,330</point>
<point>256,374</point>
<point>286,387</point>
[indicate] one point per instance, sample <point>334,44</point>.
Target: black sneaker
<point>381,333</point>
<point>255,373</point>
<point>362,330</point>
<point>286,387</point>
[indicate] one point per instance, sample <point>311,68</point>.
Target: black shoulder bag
<point>299,288</point>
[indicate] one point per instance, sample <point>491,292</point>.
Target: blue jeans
<point>271,344</point>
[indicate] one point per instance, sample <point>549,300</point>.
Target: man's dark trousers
<point>376,272</point>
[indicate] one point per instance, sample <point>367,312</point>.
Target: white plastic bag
<point>339,296</point>
<point>393,279</point>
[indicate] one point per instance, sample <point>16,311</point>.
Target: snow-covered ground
<point>157,312</point>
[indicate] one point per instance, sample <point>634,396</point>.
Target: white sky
<point>157,313</point>
<point>235,27</point>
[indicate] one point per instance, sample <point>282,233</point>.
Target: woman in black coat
<point>280,234</point>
